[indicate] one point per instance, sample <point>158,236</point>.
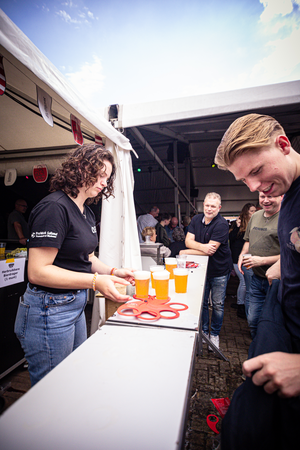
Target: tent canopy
<point>24,135</point>
<point>197,124</point>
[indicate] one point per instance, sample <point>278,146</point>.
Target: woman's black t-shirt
<point>56,221</point>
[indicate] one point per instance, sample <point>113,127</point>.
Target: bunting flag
<point>98,140</point>
<point>76,129</point>
<point>2,77</point>
<point>45,102</point>
<point>10,177</point>
<point>40,173</point>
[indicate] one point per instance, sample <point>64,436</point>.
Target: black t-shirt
<point>236,240</point>
<point>56,221</point>
<point>220,263</point>
<point>289,238</point>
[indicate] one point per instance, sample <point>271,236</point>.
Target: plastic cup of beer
<point>142,278</point>
<point>181,278</point>
<point>161,278</point>
<point>2,250</point>
<point>171,263</point>
<point>246,255</point>
<point>181,261</point>
<point>155,269</point>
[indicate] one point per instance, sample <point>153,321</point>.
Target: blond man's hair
<point>214,195</point>
<point>148,231</point>
<point>245,134</point>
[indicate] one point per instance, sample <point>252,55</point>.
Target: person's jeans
<point>247,276</point>
<point>257,296</point>
<point>241,292</point>
<point>217,286</point>
<point>49,327</point>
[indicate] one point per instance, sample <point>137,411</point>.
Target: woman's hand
<point>106,285</point>
<point>127,274</point>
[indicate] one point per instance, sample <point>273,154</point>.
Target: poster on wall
<point>12,271</point>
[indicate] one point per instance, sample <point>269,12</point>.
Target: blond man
<point>257,151</point>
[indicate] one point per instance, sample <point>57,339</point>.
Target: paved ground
<point>213,377</point>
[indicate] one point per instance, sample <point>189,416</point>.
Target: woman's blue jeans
<point>241,292</point>
<point>49,327</point>
<point>217,286</point>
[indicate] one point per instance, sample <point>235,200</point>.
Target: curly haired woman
<point>62,266</point>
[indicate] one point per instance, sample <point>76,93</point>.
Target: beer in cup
<point>142,278</point>
<point>161,278</point>
<point>246,255</point>
<point>155,269</point>
<point>181,277</point>
<point>171,264</point>
<point>2,250</point>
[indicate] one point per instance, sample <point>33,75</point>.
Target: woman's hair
<point>148,231</point>
<point>82,167</point>
<point>247,133</point>
<point>244,216</point>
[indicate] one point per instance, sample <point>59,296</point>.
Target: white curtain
<point>119,243</point>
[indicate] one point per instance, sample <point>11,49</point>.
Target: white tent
<point>27,140</point>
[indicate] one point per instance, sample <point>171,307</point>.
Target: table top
<point>188,319</point>
<point>124,388</point>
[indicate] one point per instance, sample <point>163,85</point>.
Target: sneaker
<point>206,335</point>
<point>214,340</point>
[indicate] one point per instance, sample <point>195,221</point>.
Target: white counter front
<point>125,388</point>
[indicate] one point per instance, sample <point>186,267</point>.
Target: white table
<point>125,388</point>
<point>188,319</point>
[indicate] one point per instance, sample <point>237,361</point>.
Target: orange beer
<point>181,277</point>
<point>171,264</point>
<point>142,278</point>
<point>155,269</point>
<point>161,278</point>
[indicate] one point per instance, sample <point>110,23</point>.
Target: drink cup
<point>2,250</point>
<point>155,269</point>
<point>142,278</point>
<point>181,261</point>
<point>245,256</point>
<point>171,264</point>
<point>181,278</point>
<point>161,278</point>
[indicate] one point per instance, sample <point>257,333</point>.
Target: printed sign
<point>98,140</point>
<point>12,271</point>
<point>76,130</point>
<point>40,173</point>
<point>45,102</point>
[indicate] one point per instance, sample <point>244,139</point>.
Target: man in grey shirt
<point>147,220</point>
<point>17,227</point>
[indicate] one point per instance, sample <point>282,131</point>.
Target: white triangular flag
<point>45,102</point>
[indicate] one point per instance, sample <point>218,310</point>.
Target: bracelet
<point>94,280</point>
<point>112,270</point>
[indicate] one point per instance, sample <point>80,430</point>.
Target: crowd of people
<point>263,247</point>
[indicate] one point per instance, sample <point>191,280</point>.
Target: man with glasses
<point>17,227</point>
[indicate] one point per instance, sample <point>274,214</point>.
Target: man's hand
<point>276,371</point>
<point>273,272</point>
<point>209,249</point>
<point>252,261</point>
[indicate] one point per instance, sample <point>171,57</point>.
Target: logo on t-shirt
<point>43,234</point>
<point>295,239</point>
<point>94,230</point>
